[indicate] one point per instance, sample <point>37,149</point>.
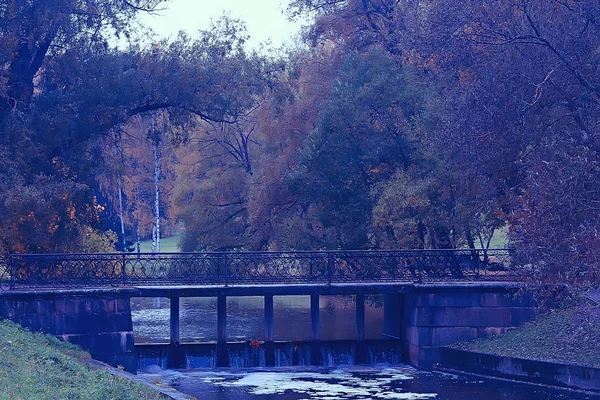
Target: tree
<point>32,32</point>
<point>278,217</point>
<point>87,91</point>
<point>361,138</point>
<point>211,197</point>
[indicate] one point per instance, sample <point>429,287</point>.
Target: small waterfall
<point>283,354</point>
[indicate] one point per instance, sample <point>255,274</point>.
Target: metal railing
<point>322,267</point>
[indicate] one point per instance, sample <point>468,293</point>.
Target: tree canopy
<point>421,124</point>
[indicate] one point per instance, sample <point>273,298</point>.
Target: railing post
<point>123,271</point>
<point>11,270</point>
<point>477,262</point>
<point>226,264</point>
<point>329,268</point>
<point>394,267</point>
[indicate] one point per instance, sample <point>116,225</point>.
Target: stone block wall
<point>438,315</point>
<point>98,320</point>
<point>547,373</point>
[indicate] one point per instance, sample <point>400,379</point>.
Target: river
<point>245,318</point>
<point>389,380</point>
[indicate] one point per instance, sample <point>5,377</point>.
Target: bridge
<point>241,268</point>
<point>431,297</point>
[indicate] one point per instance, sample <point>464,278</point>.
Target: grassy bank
<point>563,336</point>
<point>35,366</point>
<point>167,245</point>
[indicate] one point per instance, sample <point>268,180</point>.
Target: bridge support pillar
<point>392,316</point>
<point>315,348</point>
<point>269,348</point>
<point>360,316</point>
<point>176,355</point>
<point>360,351</point>
<point>222,352</point>
<point>174,320</point>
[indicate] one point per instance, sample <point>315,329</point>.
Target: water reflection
<point>245,318</point>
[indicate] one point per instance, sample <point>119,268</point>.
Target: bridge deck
<point>261,290</point>
<point>308,289</point>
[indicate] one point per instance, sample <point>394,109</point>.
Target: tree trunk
<point>121,212</point>
<point>470,240</point>
<point>138,238</point>
<point>27,61</point>
<point>156,228</point>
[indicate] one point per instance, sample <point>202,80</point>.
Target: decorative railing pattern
<point>325,267</point>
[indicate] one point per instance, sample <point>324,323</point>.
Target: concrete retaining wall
<point>438,315</point>
<point>563,375</point>
<point>97,320</point>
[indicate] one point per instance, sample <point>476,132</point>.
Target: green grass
<point>500,239</point>
<point>36,366</point>
<point>167,245</point>
<point>171,244</point>
<point>563,336</point>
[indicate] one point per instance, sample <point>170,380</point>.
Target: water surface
<point>245,318</point>
<point>352,383</point>
<point>245,322</point>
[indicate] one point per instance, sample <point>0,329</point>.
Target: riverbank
<point>559,348</point>
<point>36,366</point>
<point>570,336</point>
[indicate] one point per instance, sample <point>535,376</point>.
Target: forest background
<point>427,124</point>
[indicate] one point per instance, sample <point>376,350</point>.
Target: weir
<point>175,352</point>
<point>285,354</point>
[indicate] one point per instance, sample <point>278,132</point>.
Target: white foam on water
<point>330,385</point>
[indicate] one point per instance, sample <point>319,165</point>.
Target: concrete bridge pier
<point>269,318</point>
<point>222,359</point>
<point>361,350</point>
<point>176,355</point>
<point>392,315</point>
<point>315,346</point>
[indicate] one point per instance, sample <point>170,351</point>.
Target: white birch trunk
<point>156,228</point>
<point>138,237</point>
<point>121,211</point>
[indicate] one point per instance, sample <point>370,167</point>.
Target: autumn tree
<point>33,34</point>
<point>279,218</point>
<point>85,91</point>
<point>523,106</point>
<point>514,114</point>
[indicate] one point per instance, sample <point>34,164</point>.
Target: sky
<point>265,19</point>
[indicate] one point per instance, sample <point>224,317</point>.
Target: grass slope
<point>564,336</point>
<point>36,366</point>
